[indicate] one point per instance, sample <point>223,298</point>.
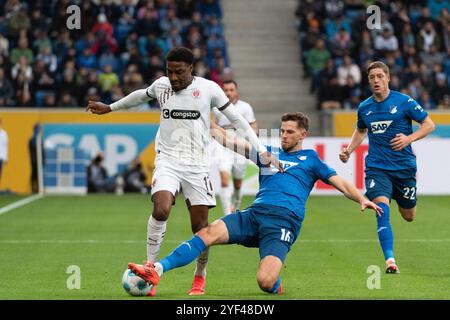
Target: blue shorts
<point>272,229</point>
<point>398,185</point>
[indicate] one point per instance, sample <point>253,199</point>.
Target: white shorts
<point>233,163</point>
<point>196,187</point>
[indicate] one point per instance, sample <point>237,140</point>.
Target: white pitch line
<point>20,203</point>
<point>179,241</point>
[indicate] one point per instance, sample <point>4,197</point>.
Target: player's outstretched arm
<point>351,192</point>
<point>133,99</point>
<point>231,142</point>
<point>401,141</point>
<point>358,136</point>
<point>246,131</point>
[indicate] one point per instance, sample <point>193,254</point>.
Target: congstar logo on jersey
<point>181,114</point>
<point>380,126</point>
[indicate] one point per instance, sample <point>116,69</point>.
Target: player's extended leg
<point>199,220</point>
<point>225,192</point>
<point>236,198</point>
<point>185,253</point>
<point>385,234</point>
<point>268,275</point>
<point>156,229</point>
<point>238,170</point>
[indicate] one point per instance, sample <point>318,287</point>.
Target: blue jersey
<point>384,120</point>
<point>291,189</point>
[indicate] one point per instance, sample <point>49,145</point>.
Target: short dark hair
<point>180,54</point>
<point>378,64</point>
<point>301,119</point>
<point>231,81</point>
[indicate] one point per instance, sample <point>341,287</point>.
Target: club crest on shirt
<point>393,109</point>
<point>196,93</point>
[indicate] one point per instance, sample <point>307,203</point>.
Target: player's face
<point>291,136</point>
<point>379,81</point>
<point>231,92</point>
<point>179,74</point>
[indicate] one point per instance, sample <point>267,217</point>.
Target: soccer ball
<point>134,285</point>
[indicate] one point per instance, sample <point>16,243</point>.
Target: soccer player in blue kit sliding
<point>390,166</point>
<point>272,223</point>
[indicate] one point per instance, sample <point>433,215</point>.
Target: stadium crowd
<point>119,48</point>
<point>413,39</point>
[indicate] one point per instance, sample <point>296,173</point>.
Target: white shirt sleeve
<point>218,97</point>
<point>249,115</point>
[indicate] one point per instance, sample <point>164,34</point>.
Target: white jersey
<point>242,107</point>
<point>183,135</point>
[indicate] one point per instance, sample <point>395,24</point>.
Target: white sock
<point>202,261</point>
<point>159,268</point>
<point>225,197</point>
<point>155,235</point>
<point>237,199</point>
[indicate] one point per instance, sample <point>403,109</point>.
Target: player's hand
<point>267,159</point>
<point>98,107</point>
<point>344,155</point>
<point>400,142</point>
<point>371,205</point>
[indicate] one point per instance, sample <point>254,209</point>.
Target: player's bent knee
<point>409,217</point>
<point>161,213</point>
<point>214,233</point>
<point>408,214</point>
<point>266,281</point>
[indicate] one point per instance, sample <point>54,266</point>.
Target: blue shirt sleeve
<point>414,110</point>
<point>322,170</point>
<point>360,123</point>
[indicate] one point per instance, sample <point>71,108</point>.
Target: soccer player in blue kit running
<point>272,223</point>
<point>386,117</point>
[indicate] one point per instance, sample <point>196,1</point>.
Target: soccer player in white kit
<point>232,164</point>
<point>182,161</point>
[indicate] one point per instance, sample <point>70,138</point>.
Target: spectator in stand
<point>67,100</point>
<point>22,50</point>
<point>97,176</point>
<point>440,88</point>
<point>426,101</point>
<point>428,37</point>
<point>107,79</point>
<point>315,61</point>
<point>135,178</point>
<point>330,96</point>
<point>351,94</point>
<point>346,69</point>
<point>6,90</point>
<point>341,43</point>
<point>444,103</point>
<point>49,101</point>
<point>385,43</point>
<point>48,58</point>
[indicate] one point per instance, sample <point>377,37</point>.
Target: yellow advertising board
<point>19,124</point>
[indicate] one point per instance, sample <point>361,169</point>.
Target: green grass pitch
<point>101,233</point>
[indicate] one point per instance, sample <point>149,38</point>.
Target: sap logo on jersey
<point>380,126</point>
<point>288,164</point>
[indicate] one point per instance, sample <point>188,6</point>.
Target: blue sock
<point>276,286</point>
<point>184,254</point>
<point>385,232</point>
